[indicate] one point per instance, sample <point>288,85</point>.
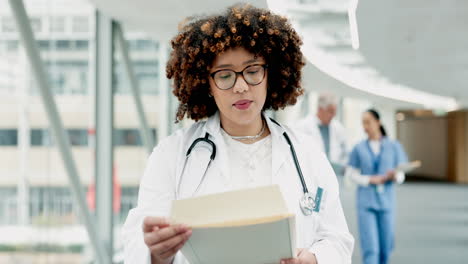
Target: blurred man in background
<point>327,131</point>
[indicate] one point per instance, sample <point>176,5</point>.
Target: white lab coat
<point>325,233</point>
<point>339,151</point>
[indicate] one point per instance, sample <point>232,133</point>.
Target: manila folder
<point>249,226</point>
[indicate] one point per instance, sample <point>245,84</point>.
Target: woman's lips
<point>242,104</point>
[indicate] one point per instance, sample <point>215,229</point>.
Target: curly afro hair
<point>258,31</point>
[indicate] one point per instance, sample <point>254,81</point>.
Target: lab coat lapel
<point>213,127</point>
<point>280,149</point>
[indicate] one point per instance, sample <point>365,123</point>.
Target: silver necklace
<point>250,137</point>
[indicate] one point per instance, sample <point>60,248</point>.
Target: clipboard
<point>407,167</point>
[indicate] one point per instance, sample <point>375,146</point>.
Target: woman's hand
<point>381,179</point>
<point>378,179</point>
<point>391,175</point>
<point>163,239</point>
<point>303,257</point>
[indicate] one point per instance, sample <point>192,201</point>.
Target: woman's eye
<point>225,76</point>
<point>252,72</point>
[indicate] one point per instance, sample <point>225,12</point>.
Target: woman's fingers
<point>151,221</point>
<point>303,257</point>
<point>163,234</point>
<point>169,232</point>
<point>290,261</point>
<point>177,246</point>
<point>163,239</point>
<point>165,245</point>
<point>150,238</point>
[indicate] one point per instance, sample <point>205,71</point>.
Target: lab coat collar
<point>213,125</point>
<point>315,120</point>
<point>275,129</point>
<point>280,149</point>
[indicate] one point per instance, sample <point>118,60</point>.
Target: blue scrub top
<point>362,158</point>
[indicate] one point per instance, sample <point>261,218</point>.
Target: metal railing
<point>54,206</point>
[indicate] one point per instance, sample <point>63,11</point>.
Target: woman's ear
<point>210,93</point>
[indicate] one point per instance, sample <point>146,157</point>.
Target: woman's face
<point>371,124</point>
<point>243,103</point>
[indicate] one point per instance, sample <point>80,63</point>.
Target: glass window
<point>146,73</point>
<point>57,79</point>
<point>8,206</point>
<point>54,201</point>
<point>78,137</point>
<point>42,137</point>
<point>80,24</point>
<point>57,24</point>
<point>58,203</point>
<point>8,25</point>
<point>129,137</point>
<point>63,31</point>
<point>62,44</point>
<point>8,137</point>
<point>12,45</point>
<point>142,44</point>
<point>129,197</point>
<point>36,24</point>
<point>44,44</point>
<point>65,40</point>
<point>131,44</point>
<point>68,77</point>
<point>81,44</point>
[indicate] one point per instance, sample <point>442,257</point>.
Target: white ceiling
<point>412,53</point>
<point>160,18</point>
<point>418,43</point>
<point>325,27</point>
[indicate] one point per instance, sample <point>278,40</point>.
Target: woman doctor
<point>227,70</point>
<point>372,166</point>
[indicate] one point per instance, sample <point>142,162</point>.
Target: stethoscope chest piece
<point>307,204</point>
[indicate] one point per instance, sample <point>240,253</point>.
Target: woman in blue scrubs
<point>372,166</point>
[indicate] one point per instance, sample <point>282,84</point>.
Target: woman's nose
<point>241,85</point>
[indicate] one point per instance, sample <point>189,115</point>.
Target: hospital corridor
<point>345,122</point>
<point>431,223</point>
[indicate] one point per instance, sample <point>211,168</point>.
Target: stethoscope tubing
<point>213,156</point>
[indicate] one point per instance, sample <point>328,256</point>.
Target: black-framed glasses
<point>226,79</point>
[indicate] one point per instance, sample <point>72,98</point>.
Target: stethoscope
<point>307,202</point>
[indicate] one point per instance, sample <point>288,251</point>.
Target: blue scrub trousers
<point>376,228</point>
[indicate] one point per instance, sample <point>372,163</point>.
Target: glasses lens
<point>225,79</point>
<point>254,74</point>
